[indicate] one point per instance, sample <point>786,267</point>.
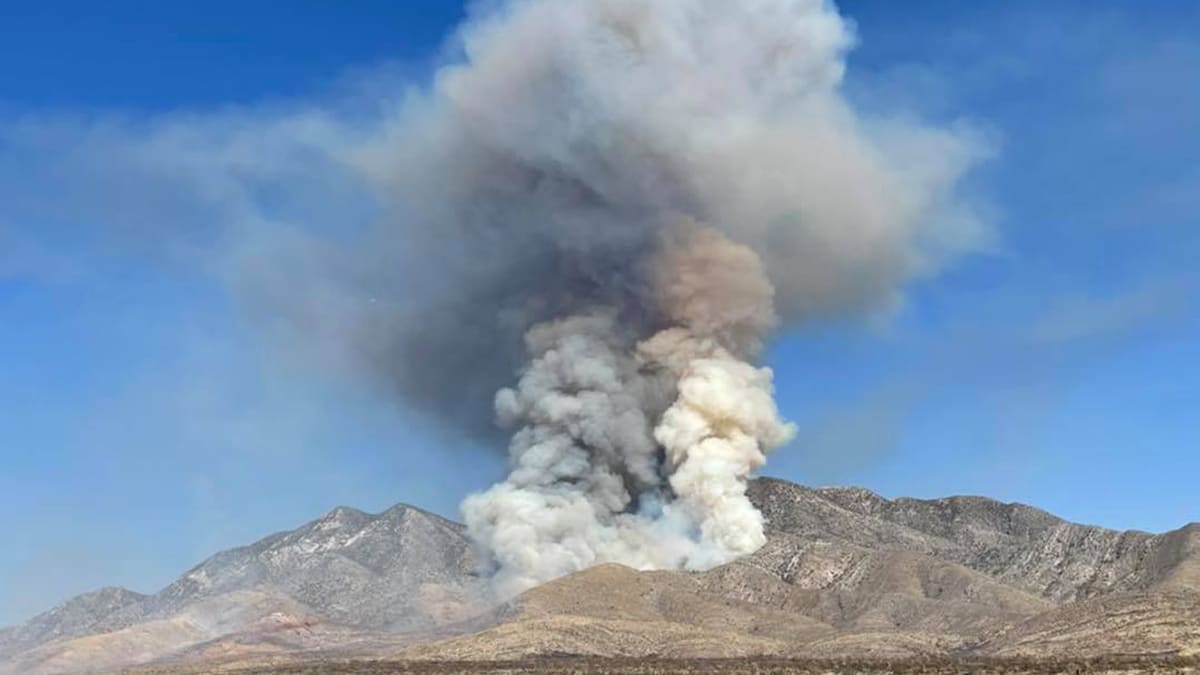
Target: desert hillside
<point>845,574</point>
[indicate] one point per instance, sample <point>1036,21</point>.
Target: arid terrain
<point>758,666</point>
<point>848,582</point>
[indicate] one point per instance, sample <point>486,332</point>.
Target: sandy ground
<point>1110,665</point>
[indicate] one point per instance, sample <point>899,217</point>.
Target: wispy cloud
<point>1077,318</point>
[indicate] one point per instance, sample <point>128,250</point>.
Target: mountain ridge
<point>249,566</point>
<point>1015,542</point>
<point>845,571</point>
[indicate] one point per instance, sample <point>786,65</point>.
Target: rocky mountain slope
<point>844,573</point>
<point>402,570</point>
<point>1015,544</point>
<point>81,615</point>
<point>847,573</point>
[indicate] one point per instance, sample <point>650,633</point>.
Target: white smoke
<point>723,419</point>
<point>638,454</point>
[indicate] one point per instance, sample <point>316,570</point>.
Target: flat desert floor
<point>583,666</point>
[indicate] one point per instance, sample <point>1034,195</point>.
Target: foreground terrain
<point>761,666</point>
<point>898,584</point>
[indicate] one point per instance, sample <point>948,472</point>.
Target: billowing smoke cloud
<point>582,235</point>
<point>639,453</point>
<point>545,173</point>
<point>617,201</point>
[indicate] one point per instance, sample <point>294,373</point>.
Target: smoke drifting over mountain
<point>617,201</point>
<point>582,233</point>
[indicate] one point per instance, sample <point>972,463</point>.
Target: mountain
<point>80,615</point>
<point>1016,544</point>
<point>403,570</point>
<point>349,567</point>
<point>845,572</point>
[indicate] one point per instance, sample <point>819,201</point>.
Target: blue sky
<point>145,423</point>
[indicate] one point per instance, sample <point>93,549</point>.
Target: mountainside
<point>1016,544</point>
<point>401,570</point>
<point>1122,623</point>
<point>81,615</point>
<point>611,610</point>
<point>349,567</point>
<point>845,572</point>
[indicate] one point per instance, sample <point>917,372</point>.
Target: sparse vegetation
<point>758,666</point>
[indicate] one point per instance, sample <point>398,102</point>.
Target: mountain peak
<point>341,512</point>
<point>79,615</point>
<point>343,516</point>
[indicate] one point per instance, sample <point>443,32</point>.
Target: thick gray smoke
<point>602,211</point>
<point>639,453</point>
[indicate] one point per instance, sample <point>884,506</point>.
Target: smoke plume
<point>594,220</point>
<point>639,452</point>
